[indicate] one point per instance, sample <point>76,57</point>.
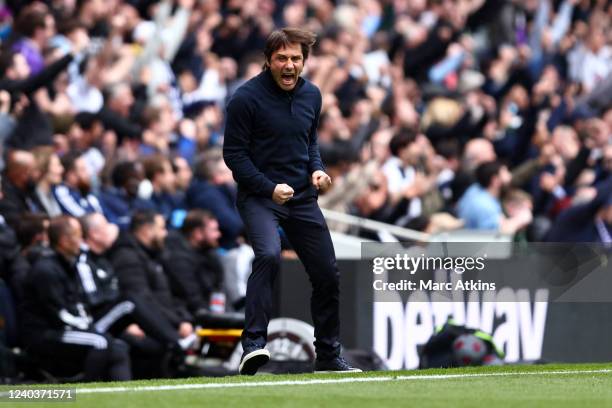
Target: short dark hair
<point>29,20</point>
<point>122,172</point>
<point>59,227</point>
<point>150,115</point>
<point>195,219</point>
<point>401,139</point>
<point>154,165</point>
<point>69,159</point>
<point>486,171</point>
<point>30,225</point>
<point>289,35</point>
<point>140,218</point>
<point>86,120</point>
<point>206,163</point>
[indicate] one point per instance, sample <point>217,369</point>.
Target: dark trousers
<point>307,232</point>
<point>115,317</point>
<point>99,356</point>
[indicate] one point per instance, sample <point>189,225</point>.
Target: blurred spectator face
<point>158,232</point>
<point>133,178</point>
<point>98,9</point>
<point>566,142</point>
<point>229,69</point>
<point>380,145</point>
<point>286,65</point>
<point>92,73</point>
<point>80,177</point>
<point>516,201</point>
<point>333,126</point>
<point>222,174</point>
<point>48,165</point>
<point>21,169</point>
<point>81,139</point>
<point>183,174</point>
<point>294,14</point>
<point>166,178</point>
<point>101,234</point>
<point>32,231</point>
<point>164,121</point>
<point>211,233</point>
<point>596,39</point>
<point>375,195</point>
<point>75,136</point>
<point>70,243</point>
<point>121,99</point>
<point>49,30</point>
<point>599,133</point>
<point>167,118</point>
<point>519,95</point>
<point>411,154</point>
<point>55,170</point>
<point>478,151</point>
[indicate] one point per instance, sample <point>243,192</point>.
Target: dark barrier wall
<point>530,328</point>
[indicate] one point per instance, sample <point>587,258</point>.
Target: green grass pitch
<point>567,385</point>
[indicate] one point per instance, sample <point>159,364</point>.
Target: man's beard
<point>84,187</point>
<point>157,244</point>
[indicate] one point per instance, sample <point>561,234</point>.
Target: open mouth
<point>287,78</point>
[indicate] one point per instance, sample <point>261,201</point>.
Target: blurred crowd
<point>437,115</point>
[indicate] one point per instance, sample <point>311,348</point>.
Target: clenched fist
<point>282,193</point>
<point>321,180</point>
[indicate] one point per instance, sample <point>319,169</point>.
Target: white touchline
<point>323,381</point>
<point>328,381</point>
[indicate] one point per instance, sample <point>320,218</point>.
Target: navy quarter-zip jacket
<point>271,136</point>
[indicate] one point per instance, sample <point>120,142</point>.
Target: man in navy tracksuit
<point>271,147</point>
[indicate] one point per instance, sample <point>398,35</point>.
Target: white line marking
<point>328,381</point>
<point>323,381</point>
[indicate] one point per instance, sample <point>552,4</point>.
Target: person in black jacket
<point>134,319</point>
<point>194,268</point>
<point>56,325</point>
<point>271,147</point>
<point>137,259</point>
<point>101,285</point>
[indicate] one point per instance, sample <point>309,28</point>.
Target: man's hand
<point>321,180</point>
<point>282,193</point>
<point>135,331</point>
<point>185,329</point>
